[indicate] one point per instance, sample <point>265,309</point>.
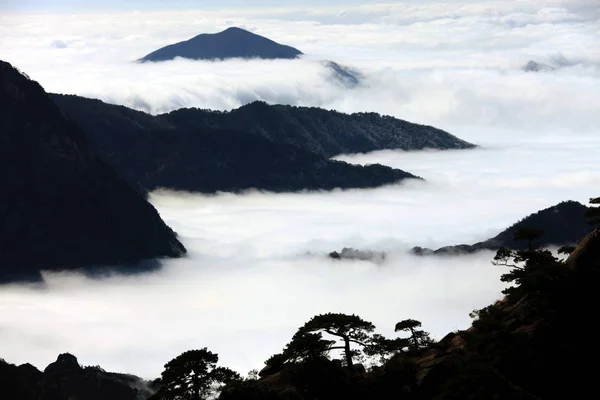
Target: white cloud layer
<point>247,283</point>
<point>439,63</point>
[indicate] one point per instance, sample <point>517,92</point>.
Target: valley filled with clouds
<point>257,266</point>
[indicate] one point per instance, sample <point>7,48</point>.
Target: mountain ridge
<point>290,150</point>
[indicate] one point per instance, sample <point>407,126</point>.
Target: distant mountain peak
<point>236,29</point>
<point>533,66</point>
<point>233,42</point>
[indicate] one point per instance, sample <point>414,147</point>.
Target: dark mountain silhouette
<point>533,66</point>
<point>320,131</point>
<point>65,379</point>
<point>174,151</point>
<point>231,43</point>
<point>343,75</point>
<point>563,224</point>
<point>60,206</point>
<point>290,145</point>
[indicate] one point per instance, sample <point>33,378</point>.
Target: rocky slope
<point>62,207</point>
<point>192,150</point>
<point>231,43</point>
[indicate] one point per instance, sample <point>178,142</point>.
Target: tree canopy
<point>593,214</point>
<point>193,375</point>
<point>529,235</point>
<point>349,333</point>
<point>418,337</point>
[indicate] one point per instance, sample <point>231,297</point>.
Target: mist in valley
<point>257,267</point>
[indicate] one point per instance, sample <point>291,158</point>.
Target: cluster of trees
<point>195,374</point>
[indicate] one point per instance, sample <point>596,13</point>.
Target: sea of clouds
<point>256,268</point>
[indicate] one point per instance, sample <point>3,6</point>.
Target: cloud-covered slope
<point>60,206</point>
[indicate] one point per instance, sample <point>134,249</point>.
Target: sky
<point>78,5</point>
<point>248,282</point>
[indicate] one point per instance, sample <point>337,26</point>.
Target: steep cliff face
<point>60,206</point>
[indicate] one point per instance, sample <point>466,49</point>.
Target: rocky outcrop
<point>61,207</point>
<point>65,379</point>
<point>349,253</point>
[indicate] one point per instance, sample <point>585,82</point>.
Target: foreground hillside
<point>209,151</point>
<point>61,206</point>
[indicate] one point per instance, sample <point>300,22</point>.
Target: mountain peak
<point>236,29</point>
<point>233,42</point>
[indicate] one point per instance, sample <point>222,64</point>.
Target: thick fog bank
<point>257,269</point>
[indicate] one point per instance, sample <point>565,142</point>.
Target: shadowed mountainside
<point>61,207</point>
<point>231,43</point>
<point>210,151</point>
